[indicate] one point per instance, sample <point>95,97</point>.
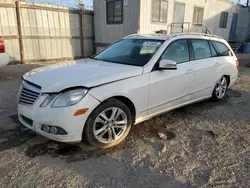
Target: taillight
<point>237,64</point>
<point>2,47</point>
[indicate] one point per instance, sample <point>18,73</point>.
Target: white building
<point>115,19</point>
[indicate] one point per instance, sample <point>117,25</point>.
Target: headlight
<point>48,100</point>
<point>69,98</point>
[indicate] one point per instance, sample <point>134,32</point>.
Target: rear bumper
<point>4,59</point>
<point>233,80</point>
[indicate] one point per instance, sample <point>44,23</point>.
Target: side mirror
<point>166,64</point>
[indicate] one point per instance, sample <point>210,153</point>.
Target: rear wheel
<point>109,124</point>
<point>220,89</point>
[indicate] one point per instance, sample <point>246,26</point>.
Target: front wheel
<point>109,124</point>
<point>220,89</point>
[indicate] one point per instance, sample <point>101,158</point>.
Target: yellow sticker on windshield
<point>154,44</point>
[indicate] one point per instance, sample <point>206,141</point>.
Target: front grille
<point>29,93</point>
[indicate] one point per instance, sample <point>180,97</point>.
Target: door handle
<point>189,71</point>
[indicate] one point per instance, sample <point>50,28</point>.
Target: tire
<point>220,89</point>
<point>104,132</point>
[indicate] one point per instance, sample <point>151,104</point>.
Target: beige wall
<point>49,32</point>
<point>213,9</point>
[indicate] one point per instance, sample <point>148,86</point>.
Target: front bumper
<point>59,117</point>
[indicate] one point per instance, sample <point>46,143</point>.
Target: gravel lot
<point>208,146</point>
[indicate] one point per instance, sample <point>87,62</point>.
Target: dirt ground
<point>208,146</point>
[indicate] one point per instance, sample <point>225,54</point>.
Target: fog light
<point>45,128</point>
<point>53,130</point>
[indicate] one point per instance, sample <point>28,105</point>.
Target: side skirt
<point>139,120</point>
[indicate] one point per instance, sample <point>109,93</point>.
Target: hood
<point>84,72</point>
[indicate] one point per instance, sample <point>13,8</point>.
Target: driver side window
<point>177,51</point>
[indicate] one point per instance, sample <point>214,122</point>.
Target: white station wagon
<point>137,78</point>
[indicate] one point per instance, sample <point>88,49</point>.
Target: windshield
<point>135,52</point>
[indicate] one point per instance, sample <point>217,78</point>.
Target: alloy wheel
<point>221,88</point>
<point>110,125</point>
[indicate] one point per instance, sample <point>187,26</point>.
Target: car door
<point>171,88</point>
<point>206,67</point>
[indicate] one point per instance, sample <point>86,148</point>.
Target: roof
<point>166,37</point>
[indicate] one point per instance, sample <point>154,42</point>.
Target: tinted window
<point>198,15</point>
<point>201,49</point>
<point>135,52</point>
<point>223,20</point>
<point>221,48</point>
<point>213,51</point>
<point>114,12</point>
<point>177,51</point>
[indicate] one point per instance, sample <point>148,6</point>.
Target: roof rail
<point>194,33</point>
<point>132,35</point>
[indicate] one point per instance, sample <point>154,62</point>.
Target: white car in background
<point>135,79</point>
<point>4,57</point>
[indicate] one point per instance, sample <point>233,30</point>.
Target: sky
<point>67,3</point>
<point>89,3</point>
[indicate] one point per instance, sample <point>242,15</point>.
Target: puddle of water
<point>70,153</point>
<point>248,65</point>
<point>212,134</point>
<point>232,93</point>
<point>15,119</point>
<point>169,133</point>
<point>208,133</point>
<point>15,138</point>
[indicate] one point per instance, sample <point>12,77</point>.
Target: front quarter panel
<point>135,88</point>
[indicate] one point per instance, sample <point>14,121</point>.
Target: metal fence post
<point>81,24</point>
<point>19,27</point>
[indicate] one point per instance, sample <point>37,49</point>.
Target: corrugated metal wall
<point>105,33</point>
<point>242,24</point>
<point>49,32</point>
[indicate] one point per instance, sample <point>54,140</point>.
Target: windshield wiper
<point>109,61</point>
<point>94,58</point>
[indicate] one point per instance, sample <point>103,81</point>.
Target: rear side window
<point>177,51</point>
<point>201,49</point>
<point>221,49</point>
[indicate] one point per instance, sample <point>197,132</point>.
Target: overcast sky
<point>68,3</point>
<point>89,3</point>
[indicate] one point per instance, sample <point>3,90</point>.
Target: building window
<point>198,15</point>
<point>159,11</point>
<point>114,11</point>
<point>223,20</point>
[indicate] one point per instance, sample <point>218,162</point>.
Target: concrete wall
<point>104,33</point>
<point>49,32</point>
<point>212,13</point>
